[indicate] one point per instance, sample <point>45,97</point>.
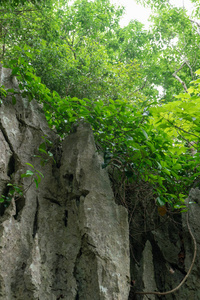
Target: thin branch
<point>178,78</point>
<point>193,21</point>
<point>186,62</point>
<point>71,47</point>
<point>181,129</point>
<point>73,37</point>
<point>141,88</point>
<point>198,25</point>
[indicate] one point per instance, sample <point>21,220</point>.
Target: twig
<point>193,21</point>
<point>178,78</point>
<point>140,88</point>
<point>198,26</point>
<point>186,62</point>
<point>71,47</point>
<point>179,128</point>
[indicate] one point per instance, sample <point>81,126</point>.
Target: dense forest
<point>79,64</point>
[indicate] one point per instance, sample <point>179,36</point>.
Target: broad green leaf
<point>27,174</point>
<point>42,150</point>
<point>30,165</point>
<point>15,71</point>
<point>36,182</point>
<point>160,201</point>
<point>40,173</point>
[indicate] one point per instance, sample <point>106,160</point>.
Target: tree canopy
<point>76,60</point>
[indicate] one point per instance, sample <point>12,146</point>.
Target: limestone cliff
<point>67,239</point>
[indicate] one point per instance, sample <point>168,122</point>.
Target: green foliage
<point>3,93</point>
<point>79,64</point>
<point>45,154</point>
<point>179,120</point>
<point>14,191</point>
<point>14,3</point>
<point>137,137</point>
<point>34,174</point>
<point>66,49</point>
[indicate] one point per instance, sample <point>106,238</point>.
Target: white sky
<point>135,11</point>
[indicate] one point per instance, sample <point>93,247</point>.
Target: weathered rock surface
<point>68,239</point>
<point>164,252</point>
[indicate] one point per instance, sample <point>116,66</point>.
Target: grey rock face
<point>67,239</point>
<point>163,255</point>
<point>191,290</point>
